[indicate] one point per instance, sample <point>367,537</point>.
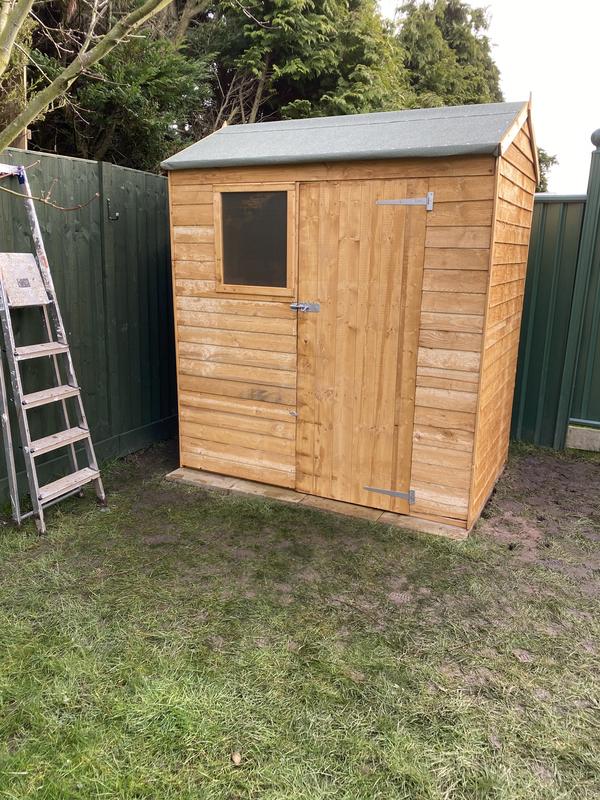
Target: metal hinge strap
<point>410,496</point>
<point>426,201</point>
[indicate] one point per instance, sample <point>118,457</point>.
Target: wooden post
<point>21,140</point>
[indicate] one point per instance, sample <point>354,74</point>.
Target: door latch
<point>305,306</point>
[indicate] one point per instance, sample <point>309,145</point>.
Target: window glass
<point>254,228</point>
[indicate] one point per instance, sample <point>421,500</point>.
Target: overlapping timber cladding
<point>348,297</point>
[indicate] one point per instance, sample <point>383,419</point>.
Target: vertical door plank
<point>387,315</point>
<point>346,339</point>
<point>308,261</point>
<point>366,244</point>
<point>326,341</point>
<point>364,430</point>
<point>414,256</point>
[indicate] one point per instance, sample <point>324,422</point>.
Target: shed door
<point>363,263</point>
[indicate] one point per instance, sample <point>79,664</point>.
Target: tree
<point>132,109</point>
<point>546,163</point>
<point>14,16</point>
<point>448,54</point>
<point>296,58</point>
<point>200,63</point>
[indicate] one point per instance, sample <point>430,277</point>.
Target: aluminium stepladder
<point>26,282</point>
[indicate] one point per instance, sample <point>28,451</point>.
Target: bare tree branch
<point>47,202</point>
<point>59,86</point>
<point>96,12</point>
<point>191,10</point>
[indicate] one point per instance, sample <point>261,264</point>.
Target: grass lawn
<point>187,644</point>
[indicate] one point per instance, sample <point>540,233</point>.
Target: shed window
<point>254,238</point>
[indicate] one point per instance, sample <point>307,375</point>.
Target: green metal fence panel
<point>551,275</point>
<point>112,278</point>
<point>585,401</point>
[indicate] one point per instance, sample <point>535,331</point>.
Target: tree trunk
<point>259,92</point>
<point>12,21</point>
<point>105,141</point>
<point>191,10</point>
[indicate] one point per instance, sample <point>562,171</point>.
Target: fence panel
<point>113,286</point>
<point>585,404</point>
<point>551,272</point>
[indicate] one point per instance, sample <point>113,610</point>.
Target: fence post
<point>589,235</point>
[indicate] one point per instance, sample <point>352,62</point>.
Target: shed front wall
<point>235,420</point>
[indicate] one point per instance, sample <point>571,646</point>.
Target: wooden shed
<point>348,296</point>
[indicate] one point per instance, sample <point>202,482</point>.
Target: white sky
<point>550,49</point>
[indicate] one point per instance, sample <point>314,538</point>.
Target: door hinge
<point>305,306</point>
<point>410,496</point>
<point>426,201</point>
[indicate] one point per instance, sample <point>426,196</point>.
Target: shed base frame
<point>227,484</point>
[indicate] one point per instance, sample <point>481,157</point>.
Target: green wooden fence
<point>558,373</point>
<point>111,265</point>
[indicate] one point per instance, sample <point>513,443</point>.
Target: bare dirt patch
<point>544,511</point>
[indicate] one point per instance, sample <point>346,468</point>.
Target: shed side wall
<point>513,213</point>
<point>457,260</point>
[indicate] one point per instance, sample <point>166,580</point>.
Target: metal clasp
<point>305,306</point>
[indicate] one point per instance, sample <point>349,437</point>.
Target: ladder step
<point>56,440</point>
<point>49,395</point>
<point>67,484</point>
<point>37,350</point>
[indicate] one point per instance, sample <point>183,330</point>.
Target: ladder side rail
<point>38,242</point>
<point>54,310</point>
<point>56,317</point>
<point>44,266</point>
<point>17,390</point>
<point>63,403</point>
<point>11,472</point>
<point>80,414</point>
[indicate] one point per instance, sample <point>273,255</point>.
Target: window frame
<point>244,288</point>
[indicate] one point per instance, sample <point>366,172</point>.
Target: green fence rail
<point>558,372</point>
<point>110,262</point>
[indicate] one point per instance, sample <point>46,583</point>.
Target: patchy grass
<point>195,645</point>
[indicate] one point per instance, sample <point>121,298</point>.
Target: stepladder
<point>42,386</point>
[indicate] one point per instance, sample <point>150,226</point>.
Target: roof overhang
<point>522,118</point>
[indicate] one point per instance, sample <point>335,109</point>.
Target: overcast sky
<point>551,50</point>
